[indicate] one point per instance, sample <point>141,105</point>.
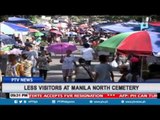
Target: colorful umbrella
<point>33,30</point>
<point>37,34</point>
<point>5,39</point>
<point>61,48</point>
<point>83,26</point>
<point>56,32</point>
<point>10,28</point>
<point>30,29</point>
<point>140,43</point>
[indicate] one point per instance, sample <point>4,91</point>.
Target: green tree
<point>3,18</point>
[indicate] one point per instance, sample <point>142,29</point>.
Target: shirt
<point>103,71</point>
<point>87,53</point>
<point>32,55</point>
<point>43,63</point>
<point>68,62</point>
<point>82,73</point>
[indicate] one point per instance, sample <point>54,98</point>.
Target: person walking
<point>88,53</point>
<point>68,63</point>
<point>83,72</point>
<point>103,71</point>
<point>43,64</point>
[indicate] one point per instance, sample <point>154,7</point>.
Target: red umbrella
<point>138,43</point>
<point>56,32</point>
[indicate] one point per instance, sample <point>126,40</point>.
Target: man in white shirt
<point>87,53</point>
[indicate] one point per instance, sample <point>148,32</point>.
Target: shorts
<point>67,72</point>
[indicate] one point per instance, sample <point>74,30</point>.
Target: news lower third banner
<point>83,95</point>
<point>37,85</point>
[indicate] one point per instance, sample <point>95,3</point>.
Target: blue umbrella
<point>121,27</point>
<point>17,20</point>
<point>38,26</point>
<point>155,41</point>
<point>7,39</point>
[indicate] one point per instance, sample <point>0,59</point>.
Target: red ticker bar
<point>95,95</point>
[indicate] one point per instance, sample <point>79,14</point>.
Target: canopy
<point>38,26</point>
<point>10,28</point>
<point>122,27</point>
<point>17,19</point>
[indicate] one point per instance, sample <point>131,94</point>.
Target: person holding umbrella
<point>68,63</point>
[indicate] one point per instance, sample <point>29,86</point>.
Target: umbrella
<point>30,29</point>
<point>56,32</point>
<point>15,51</point>
<point>7,39</point>
<point>16,19</point>
<point>62,25</point>
<point>38,26</point>
<point>10,28</point>
<point>121,27</point>
<point>83,26</point>
<point>19,20</point>
<point>140,43</point>
<point>37,34</point>
<point>33,30</point>
<point>54,28</point>
<point>61,48</point>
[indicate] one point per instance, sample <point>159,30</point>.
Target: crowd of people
<point>35,56</point>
